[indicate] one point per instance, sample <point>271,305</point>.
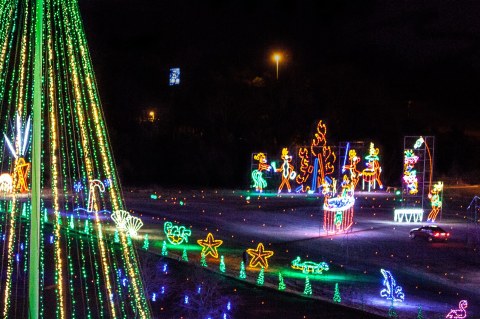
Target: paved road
<point>435,276</point>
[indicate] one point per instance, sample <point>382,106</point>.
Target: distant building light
<point>174,76</point>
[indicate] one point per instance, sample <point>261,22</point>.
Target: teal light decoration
<point>243,274</point>
<point>184,255</point>
<point>164,249</point>
<point>308,287</point>
<point>222,264</point>
<point>336,296</point>
<point>261,277</point>
<point>203,260</point>
<point>145,242</point>
<point>281,282</point>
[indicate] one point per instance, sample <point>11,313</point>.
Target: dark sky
<point>411,60</point>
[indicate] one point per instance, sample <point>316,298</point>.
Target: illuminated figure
<point>257,175</point>
<point>287,171</point>
<point>391,290</point>
<point>338,210</point>
<point>318,161</point>
<point>352,167</point>
<point>309,266</point>
<point>436,201</point>
<point>409,174</point>
<point>371,175</point>
<point>21,168</point>
<point>176,234</point>
<point>459,313</point>
<point>6,183</point>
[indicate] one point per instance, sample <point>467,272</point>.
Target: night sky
<point>371,70</point>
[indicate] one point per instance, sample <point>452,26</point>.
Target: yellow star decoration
<point>259,256</point>
<point>209,245</point>
<point>21,170</point>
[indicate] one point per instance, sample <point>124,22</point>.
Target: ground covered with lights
<point>433,277</point>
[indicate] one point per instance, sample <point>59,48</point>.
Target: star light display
<point>259,256</point>
<point>49,91</point>
<point>391,290</point>
<point>210,245</point>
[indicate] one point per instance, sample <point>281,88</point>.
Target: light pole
<point>277,57</point>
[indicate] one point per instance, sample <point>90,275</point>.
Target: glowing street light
<point>277,57</point>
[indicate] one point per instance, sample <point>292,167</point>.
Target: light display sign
<point>174,78</point>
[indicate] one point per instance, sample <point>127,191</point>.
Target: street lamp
<point>277,57</point>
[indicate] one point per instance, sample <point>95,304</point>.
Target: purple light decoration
<point>154,297</point>
<point>124,282</point>
<point>229,306</point>
<point>165,268</point>
<point>107,182</point>
<point>51,239</point>
<point>78,186</point>
<point>186,300</point>
<point>163,290</point>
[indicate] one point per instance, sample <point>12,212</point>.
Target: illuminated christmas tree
<point>56,148</point>
<point>336,295</point>
<point>308,287</point>
<point>164,249</point>
<point>261,277</point>
<point>184,255</point>
<point>392,313</point>
<point>222,264</point>
<point>145,242</point>
<point>243,274</point>
<point>419,313</point>
<point>203,260</point>
<point>281,283</point>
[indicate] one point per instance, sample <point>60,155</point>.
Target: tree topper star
<point>209,245</point>
<point>259,256</point>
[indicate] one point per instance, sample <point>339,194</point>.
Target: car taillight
<point>436,234</point>
<point>448,234</point>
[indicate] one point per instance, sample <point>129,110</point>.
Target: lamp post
<point>277,57</point>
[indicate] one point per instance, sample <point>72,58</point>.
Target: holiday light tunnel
<point>52,119</point>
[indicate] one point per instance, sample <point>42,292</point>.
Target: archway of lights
<point>46,73</point>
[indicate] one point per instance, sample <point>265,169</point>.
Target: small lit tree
<point>308,287</point>
<point>203,260</point>
<point>164,249</point>
<point>222,264</point>
<point>419,313</point>
<point>146,243</point>
<point>261,277</point>
<point>184,255</point>
<point>336,295</point>
<point>281,283</point>
<point>243,274</point>
<point>392,312</point>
